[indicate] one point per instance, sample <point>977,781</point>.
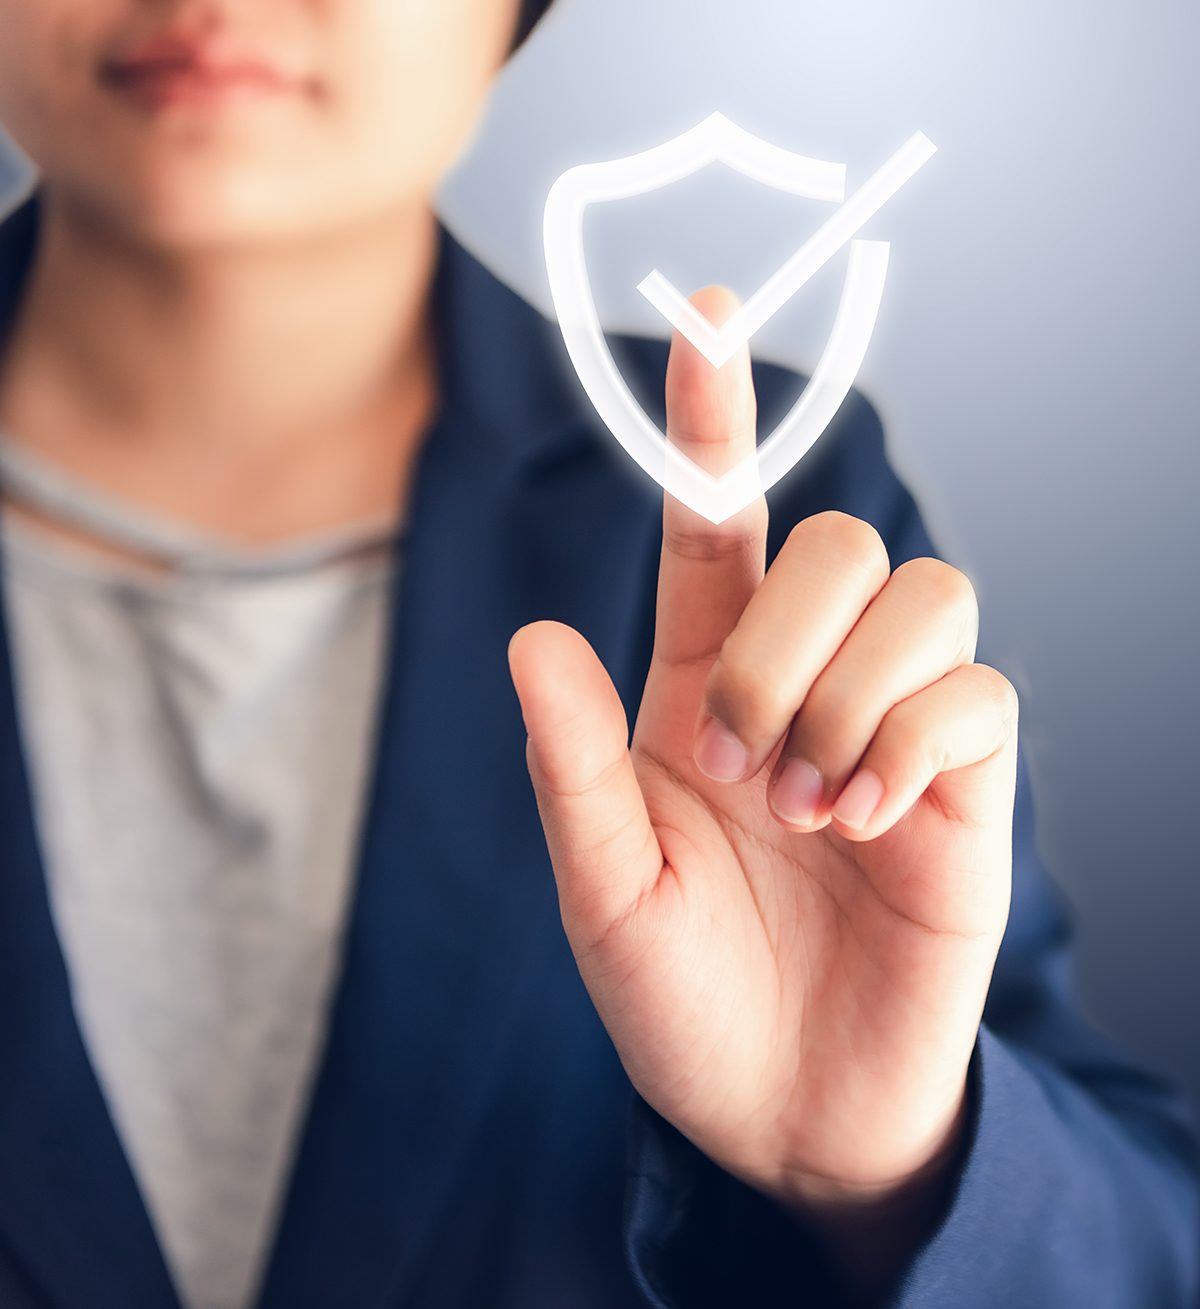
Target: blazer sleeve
<point>1079,1182</point>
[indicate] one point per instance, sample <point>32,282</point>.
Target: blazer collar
<point>454,901</point>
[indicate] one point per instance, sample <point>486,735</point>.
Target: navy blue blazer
<point>472,1139</point>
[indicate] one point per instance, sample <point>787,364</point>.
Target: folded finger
<point>823,578</point>
<point>922,624</point>
<point>939,737</point>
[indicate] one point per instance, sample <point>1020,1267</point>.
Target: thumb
<point>601,841</point>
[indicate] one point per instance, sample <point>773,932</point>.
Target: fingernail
<point>797,792</point>
<point>860,798</point>
<point>719,754</point>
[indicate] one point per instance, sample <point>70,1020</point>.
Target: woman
<point>287,1013</point>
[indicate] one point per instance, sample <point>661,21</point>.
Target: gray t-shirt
<point>198,743</point>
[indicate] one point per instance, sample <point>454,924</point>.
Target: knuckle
<point>744,694</point>
<point>829,713</point>
<point>1001,693</point>
<point>901,725</point>
<point>947,590</point>
<point>741,535</point>
<point>903,750</point>
<point>944,584</point>
<point>852,541</point>
<point>708,545</point>
<point>721,421</point>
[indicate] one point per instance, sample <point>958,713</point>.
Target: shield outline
<point>716,139</point>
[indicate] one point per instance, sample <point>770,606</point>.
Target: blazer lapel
<point>70,1209</point>
<point>518,511</point>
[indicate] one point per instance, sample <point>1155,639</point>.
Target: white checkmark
<point>719,344</point>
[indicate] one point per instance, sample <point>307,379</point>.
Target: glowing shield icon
<point>717,140</point>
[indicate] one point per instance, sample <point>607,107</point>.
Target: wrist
<point>812,1195</point>
<point>869,1232</point>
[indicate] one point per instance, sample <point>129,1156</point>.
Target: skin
<point>800,998</point>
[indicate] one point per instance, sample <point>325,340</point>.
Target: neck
<point>259,391</point>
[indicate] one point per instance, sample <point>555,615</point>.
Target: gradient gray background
<point>1034,360</point>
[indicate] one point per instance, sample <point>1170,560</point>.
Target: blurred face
<point>221,120</point>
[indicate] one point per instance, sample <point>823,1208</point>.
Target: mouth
<point>178,69</point>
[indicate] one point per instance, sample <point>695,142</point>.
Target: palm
<point>778,945</point>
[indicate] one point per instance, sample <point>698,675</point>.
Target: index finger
<point>708,571</point>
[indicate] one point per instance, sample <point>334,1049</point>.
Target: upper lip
<point>216,57</point>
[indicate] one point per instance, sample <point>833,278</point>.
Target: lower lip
<point>156,87</point>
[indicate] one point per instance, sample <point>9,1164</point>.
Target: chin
<point>186,208</point>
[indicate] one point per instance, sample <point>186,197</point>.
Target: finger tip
<point>716,301</point>
<point>516,644</point>
<point>530,646</point>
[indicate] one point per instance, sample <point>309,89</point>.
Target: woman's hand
<point>786,896</point>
